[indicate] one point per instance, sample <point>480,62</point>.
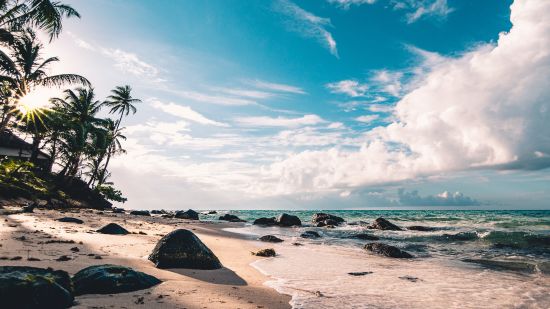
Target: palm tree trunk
<point>5,122</point>
<point>106,164</point>
<point>35,149</point>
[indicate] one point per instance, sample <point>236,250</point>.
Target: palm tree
<point>24,70</point>
<point>121,102</point>
<point>79,112</point>
<point>46,15</point>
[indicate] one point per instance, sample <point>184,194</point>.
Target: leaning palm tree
<point>23,69</point>
<point>121,102</point>
<point>46,15</point>
<point>114,146</point>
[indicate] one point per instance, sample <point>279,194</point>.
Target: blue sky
<point>324,104</point>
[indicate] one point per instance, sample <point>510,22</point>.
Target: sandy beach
<point>237,285</point>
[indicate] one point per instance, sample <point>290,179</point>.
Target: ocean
<point>472,259</point>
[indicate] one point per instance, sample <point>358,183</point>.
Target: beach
<point>237,285</point>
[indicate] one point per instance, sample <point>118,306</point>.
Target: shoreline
<point>237,285</point>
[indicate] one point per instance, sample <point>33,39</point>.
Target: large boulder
<point>189,214</point>
<point>270,238</point>
<point>140,213</point>
<point>111,279</point>
<point>30,287</point>
<point>323,219</point>
<point>288,220</point>
<point>383,224</point>
<point>70,220</point>
<point>265,221</point>
<point>387,250</point>
<point>182,249</point>
<point>113,229</point>
<point>230,218</point>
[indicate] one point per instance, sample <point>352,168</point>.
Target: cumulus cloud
<point>351,88</point>
<point>446,198</point>
<point>264,121</point>
<point>487,108</point>
<point>184,112</point>
<point>307,24</point>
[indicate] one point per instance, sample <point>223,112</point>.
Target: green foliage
<point>111,194</point>
<point>17,178</point>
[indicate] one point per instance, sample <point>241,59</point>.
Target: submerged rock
<point>364,236</point>
<point>310,234</point>
<point>270,238</point>
<point>111,279</point>
<point>387,250</point>
<point>30,287</point>
<point>70,220</point>
<point>383,224</point>
<point>182,249</point>
<point>265,252</point>
<point>421,228</point>
<point>113,229</point>
<point>140,213</point>
<point>265,221</point>
<point>323,219</point>
<point>231,218</point>
<point>189,214</point>
<point>288,220</point>
<point>518,266</point>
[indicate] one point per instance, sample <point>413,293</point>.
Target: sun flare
<point>31,103</point>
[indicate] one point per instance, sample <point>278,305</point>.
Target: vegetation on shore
<point>77,133</point>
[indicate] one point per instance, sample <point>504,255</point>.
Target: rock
<point>323,219</point>
<point>75,249</point>
<point>362,273</point>
<point>297,244</point>
<point>383,224</point>
<point>409,278</point>
<point>167,216</point>
<point>265,221</point>
<point>182,249</point>
<point>310,234</point>
<point>63,258</point>
<point>56,204</point>
<point>30,207</point>
<point>421,228</point>
<point>30,288</point>
<point>117,210</point>
<point>70,220</point>
<point>111,279</point>
<point>211,212</point>
<point>157,212</point>
<point>189,214</point>
<point>113,229</point>
<point>327,223</point>
<point>364,237</point>
<point>140,213</point>
<point>265,252</point>
<point>231,218</point>
<point>288,220</point>
<point>270,238</point>
<point>387,250</point>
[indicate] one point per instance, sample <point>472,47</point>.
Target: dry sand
<point>237,285</point>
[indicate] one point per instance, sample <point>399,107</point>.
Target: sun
<point>32,103</point>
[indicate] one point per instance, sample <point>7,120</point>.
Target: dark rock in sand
<point>383,224</point>
<point>63,258</point>
<point>231,218</point>
<point>70,220</point>
<point>310,234</point>
<point>30,208</point>
<point>140,213</point>
<point>421,228</point>
<point>265,221</point>
<point>30,287</point>
<point>158,212</point>
<point>323,219</point>
<point>113,229</point>
<point>265,252</point>
<point>364,237</point>
<point>387,250</point>
<point>111,279</point>
<point>182,249</point>
<point>409,278</point>
<point>518,266</point>
<point>167,216</point>
<point>189,214</point>
<point>362,273</point>
<point>270,238</point>
<point>288,220</point>
<point>116,210</point>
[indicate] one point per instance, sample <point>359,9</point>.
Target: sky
<point>327,104</point>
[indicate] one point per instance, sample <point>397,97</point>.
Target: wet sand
<point>237,285</point>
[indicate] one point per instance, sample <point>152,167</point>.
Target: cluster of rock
<point>323,219</point>
<point>31,287</point>
<point>189,215</point>
<point>230,218</point>
<point>387,250</point>
<point>284,220</point>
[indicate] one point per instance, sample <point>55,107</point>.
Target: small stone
<point>265,252</point>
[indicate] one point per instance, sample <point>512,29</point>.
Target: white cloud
<point>351,88</point>
<point>264,121</point>
<point>367,118</point>
<point>415,9</point>
<point>307,24</point>
<point>184,112</point>
<point>254,94</point>
<point>445,198</point>
<point>276,87</point>
<point>212,98</point>
<point>489,108</point>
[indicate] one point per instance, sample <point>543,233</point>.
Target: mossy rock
<point>111,279</point>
